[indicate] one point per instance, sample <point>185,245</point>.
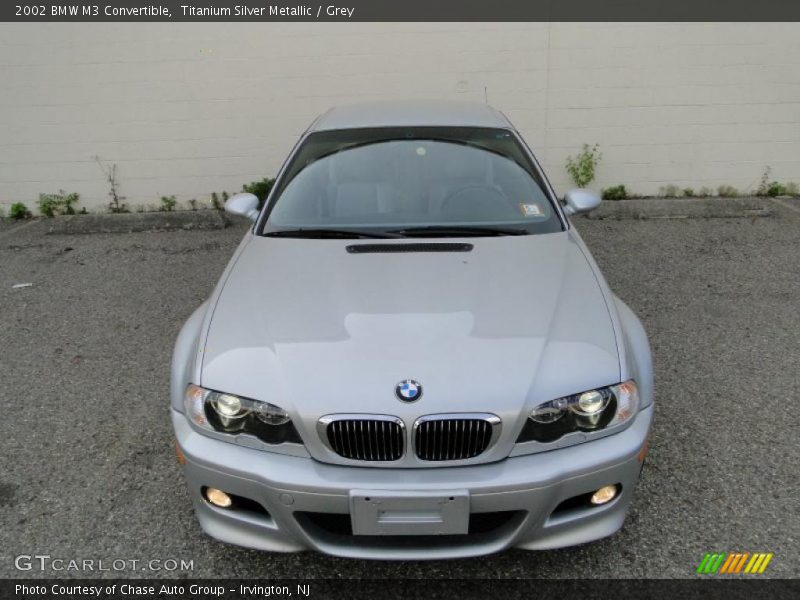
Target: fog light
<point>218,498</point>
<point>604,495</point>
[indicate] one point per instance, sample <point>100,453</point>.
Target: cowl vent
<point>415,247</point>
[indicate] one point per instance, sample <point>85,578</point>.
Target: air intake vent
<point>415,247</point>
<point>440,438</point>
<point>373,438</point>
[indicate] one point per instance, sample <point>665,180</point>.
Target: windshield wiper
<point>458,231</point>
<point>329,232</point>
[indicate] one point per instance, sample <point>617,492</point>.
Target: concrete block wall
<point>191,108</point>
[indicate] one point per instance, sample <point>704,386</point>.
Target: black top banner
<point>404,10</point>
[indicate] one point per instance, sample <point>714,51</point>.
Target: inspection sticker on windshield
<point>531,210</point>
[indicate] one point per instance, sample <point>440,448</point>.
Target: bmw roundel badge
<point>408,390</point>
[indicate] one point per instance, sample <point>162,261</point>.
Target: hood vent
<point>414,247</point>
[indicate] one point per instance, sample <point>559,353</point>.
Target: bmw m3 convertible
<point>412,353</point>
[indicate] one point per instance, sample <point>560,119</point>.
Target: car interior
<point>409,181</point>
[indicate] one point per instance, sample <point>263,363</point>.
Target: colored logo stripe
<point>758,563</point>
<point>711,563</point>
<point>723,563</point>
<point>735,562</point>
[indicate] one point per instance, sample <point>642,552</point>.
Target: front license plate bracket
<point>380,512</point>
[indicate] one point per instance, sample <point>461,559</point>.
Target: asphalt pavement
<point>87,470</point>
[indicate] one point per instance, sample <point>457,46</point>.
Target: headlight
<point>591,403</point>
<point>588,411</point>
<point>226,413</point>
<point>229,406</point>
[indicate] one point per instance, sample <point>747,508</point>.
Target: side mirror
<point>243,205</point>
<point>580,200</point>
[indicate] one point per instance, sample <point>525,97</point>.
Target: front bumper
<point>307,503</point>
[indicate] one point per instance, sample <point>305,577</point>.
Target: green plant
<point>763,185</point>
<point>669,191</point>
<point>116,205</point>
<point>19,211</point>
<point>168,203</point>
<point>582,167</point>
<point>216,203</point>
<point>47,206</point>
<point>193,204</point>
<point>705,192</point>
<point>688,192</point>
<point>58,204</point>
<point>615,192</point>
<point>260,189</point>
<point>727,191</point>
<point>776,189</point>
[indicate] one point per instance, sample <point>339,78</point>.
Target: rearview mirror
<point>243,205</point>
<point>580,200</point>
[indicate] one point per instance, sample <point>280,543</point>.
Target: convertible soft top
<point>419,113</point>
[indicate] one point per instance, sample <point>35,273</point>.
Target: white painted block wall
<point>188,109</point>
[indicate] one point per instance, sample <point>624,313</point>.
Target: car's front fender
<point>637,351</point>
<point>184,355</point>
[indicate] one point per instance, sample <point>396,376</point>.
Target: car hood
<point>317,330</point>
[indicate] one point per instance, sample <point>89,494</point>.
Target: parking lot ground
<point>87,469</point>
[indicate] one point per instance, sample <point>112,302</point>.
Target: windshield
<point>411,181</point>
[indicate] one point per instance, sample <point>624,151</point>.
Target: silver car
<point>412,353</point>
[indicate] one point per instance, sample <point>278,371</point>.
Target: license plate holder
<point>381,512</point>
